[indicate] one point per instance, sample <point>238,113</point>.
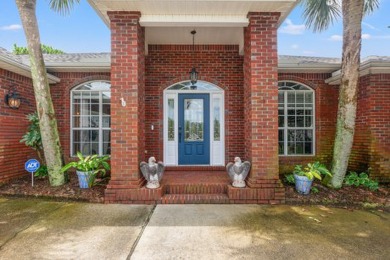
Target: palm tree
<point>47,120</point>
<point>319,14</point>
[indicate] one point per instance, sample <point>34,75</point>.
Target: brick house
<point>138,101</point>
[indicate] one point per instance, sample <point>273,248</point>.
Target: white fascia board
<point>77,65</point>
<point>365,69</point>
<point>193,20</point>
<point>23,69</point>
<point>299,68</point>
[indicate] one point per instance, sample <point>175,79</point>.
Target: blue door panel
<point>196,151</point>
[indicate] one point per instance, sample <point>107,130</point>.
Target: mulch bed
<point>70,191</point>
<point>346,197</point>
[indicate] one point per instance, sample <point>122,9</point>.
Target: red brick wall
<point>218,64</point>
<point>325,119</point>
<point>372,136</point>
<point>261,96</point>
<point>60,93</point>
<point>13,125</point>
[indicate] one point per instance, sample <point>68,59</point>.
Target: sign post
<point>32,166</point>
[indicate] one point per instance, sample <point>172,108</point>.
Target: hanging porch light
<point>193,72</point>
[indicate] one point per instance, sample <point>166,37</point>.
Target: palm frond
<point>320,14</point>
<point>63,6</point>
<point>370,6</point>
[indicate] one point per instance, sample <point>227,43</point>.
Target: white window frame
<point>286,128</point>
<point>101,128</point>
<point>217,148</point>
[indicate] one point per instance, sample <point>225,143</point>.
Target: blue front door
<point>194,129</point>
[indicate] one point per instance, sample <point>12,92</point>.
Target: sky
<point>84,31</point>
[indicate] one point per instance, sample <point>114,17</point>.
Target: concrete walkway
<point>38,229</point>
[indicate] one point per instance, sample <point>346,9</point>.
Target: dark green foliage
<point>315,190</point>
<point>91,164</point>
<point>42,172</point>
<point>19,50</point>
<point>361,179</point>
<point>33,136</point>
<point>290,178</point>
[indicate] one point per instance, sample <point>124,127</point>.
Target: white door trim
<point>217,147</point>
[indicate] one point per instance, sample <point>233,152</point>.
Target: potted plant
<point>87,168</point>
<point>304,176</point>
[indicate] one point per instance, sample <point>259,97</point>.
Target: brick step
<point>195,168</point>
<point>195,188</point>
<point>195,199</point>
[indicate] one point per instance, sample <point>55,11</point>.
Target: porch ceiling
<point>216,21</point>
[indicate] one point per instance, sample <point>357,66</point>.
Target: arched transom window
<point>296,119</point>
<point>91,118</point>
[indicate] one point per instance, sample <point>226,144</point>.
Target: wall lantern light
<point>193,72</point>
<point>12,98</point>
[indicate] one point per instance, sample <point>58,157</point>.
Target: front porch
<point>231,110</point>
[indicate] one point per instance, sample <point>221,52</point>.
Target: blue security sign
<point>31,165</point>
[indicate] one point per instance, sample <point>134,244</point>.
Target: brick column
<point>127,122</point>
<point>260,98</point>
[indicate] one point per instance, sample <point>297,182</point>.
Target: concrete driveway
<point>39,229</point>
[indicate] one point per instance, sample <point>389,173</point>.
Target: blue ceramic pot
<point>302,184</point>
<point>83,179</point>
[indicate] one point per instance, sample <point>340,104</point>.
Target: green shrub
<point>362,179</point>
<point>41,172</point>
<point>290,178</point>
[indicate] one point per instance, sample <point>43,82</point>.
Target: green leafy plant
<point>312,170</point>
<point>33,136</point>
<point>362,179</point>
<point>315,190</point>
<point>42,172</point>
<point>91,164</point>
<point>290,178</point>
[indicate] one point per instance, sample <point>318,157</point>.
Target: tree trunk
<point>345,128</point>
<point>47,119</point>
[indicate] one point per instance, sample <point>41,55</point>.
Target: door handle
<point>179,134</point>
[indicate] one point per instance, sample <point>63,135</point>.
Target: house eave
<point>22,69</point>
<point>365,69</point>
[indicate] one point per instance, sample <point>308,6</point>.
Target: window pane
<point>106,109</point>
<point>106,121</point>
<point>299,98</point>
<point>94,122</point>
<point>300,121</point>
<point>309,97</point>
<point>281,121</point>
<point>291,98</point>
<point>106,97</point>
<point>193,120</point>
<point>217,119</point>
<point>281,135</point>
<point>171,119</point>
<point>91,112</point>
<point>94,109</point>
<point>308,122</point>
<point>280,98</point>
<point>291,121</point>
<point>95,97</point>
<point>308,148</point>
<point>300,118</point>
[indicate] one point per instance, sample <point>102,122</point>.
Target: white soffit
<point>193,12</point>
